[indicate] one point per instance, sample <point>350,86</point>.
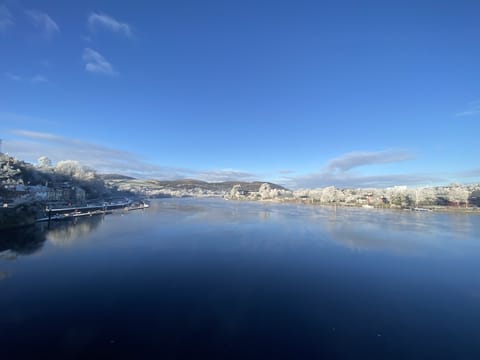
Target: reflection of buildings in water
<point>24,241</point>
<point>29,240</point>
<point>8,255</point>
<point>361,239</point>
<point>265,215</point>
<point>399,231</point>
<point>4,275</point>
<point>372,230</point>
<point>67,233</point>
<point>461,224</point>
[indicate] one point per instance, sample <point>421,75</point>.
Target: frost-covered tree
<point>458,195</point>
<point>315,194</point>
<point>73,169</point>
<point>328,195</point>
<point>266,191</point>
<point>350,196</point>
<point>399,196</point>
<point>425,196</point>
<point>235,192</point>
<point>44,162</point>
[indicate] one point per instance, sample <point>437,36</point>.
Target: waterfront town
<point>27,191</point>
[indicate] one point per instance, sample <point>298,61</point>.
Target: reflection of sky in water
<point>227,272</point>
<point>67,233</point>
<point>396,231</point>
<point>229,225</point>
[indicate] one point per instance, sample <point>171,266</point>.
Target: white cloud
<point>286,171</point>
<point>37,79</point>
<point>224,175</point>
<point>37,135</point>
<point>363,158</point>
<point>30,145</point>
<point>472,109</point>
<point>470,173</point>
<point>44,22</point>
<point>96,63</point>
<point>6,18</point>
<point>107,22</point>
<point>350,180</point>
<point>339,172</point>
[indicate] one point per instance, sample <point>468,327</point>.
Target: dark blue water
<point>209,279</point>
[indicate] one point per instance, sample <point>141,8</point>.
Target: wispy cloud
<point>286,171</point>
<point>43,22</point>
<point>13,77</point>
<point>470,173</point>
<point>96,63</point>
<point>109,23</point>
<point>224,175</point>
<point>350,180</point>
<point>6,18</point>
<point>30,145</point>
<point>473,108</point>
<point>363,158</point>
<point>39,135</point>
<point>12,119</point>
<point>339,171</point>
<point>36,79</point>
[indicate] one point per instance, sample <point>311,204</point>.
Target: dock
<point>67,213</point>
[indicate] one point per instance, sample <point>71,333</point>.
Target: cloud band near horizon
<point>30,145</point>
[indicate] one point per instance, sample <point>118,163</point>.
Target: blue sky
<point>304,93</point>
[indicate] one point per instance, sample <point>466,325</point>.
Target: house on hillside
<point>66,192</point>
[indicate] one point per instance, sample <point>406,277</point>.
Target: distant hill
<point>17,175</point>
<point>184,187</point>
<point>15,172</point>
<point>221,186</point>
<point>115,177</point>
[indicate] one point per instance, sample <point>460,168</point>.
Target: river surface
<point>214,279</point>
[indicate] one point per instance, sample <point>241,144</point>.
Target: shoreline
<point>434,209</point>
<point>28,214</point>
<point>16,222</point>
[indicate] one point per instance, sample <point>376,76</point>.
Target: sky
<point>302,93</point>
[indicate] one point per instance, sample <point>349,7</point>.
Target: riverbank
<point>20,215</point>
<point>29,213</point>
<point>436,208</point>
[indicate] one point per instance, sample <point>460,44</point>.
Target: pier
<point>66,213</point>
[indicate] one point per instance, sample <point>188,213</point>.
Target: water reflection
<point>257,226</point>
<point>402,232</point>
<point>4,275</point>
<point>29,240</point>
<point>193,274</point>
<point>67,233</point>
<point>23,241</point>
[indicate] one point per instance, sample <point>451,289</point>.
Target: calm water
<point>217,279</point>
